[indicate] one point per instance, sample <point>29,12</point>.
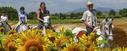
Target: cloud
<point>62,5</point>
<point>75,1</point>
<point>115,4</point>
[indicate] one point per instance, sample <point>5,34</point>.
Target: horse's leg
<point>75,39</point>
<point>44,30</point>
<point>18,28</point>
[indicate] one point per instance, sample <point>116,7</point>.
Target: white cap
<point>89,3</point>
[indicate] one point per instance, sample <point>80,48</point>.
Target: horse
<point>46,25</point>
<point>106,28</point>
<point>22,27</point>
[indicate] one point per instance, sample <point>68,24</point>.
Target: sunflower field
<point>34,40</point>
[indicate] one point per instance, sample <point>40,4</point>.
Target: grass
<point>63,21</point>
<point>54,21</point>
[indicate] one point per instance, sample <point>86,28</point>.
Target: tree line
<point>13,14</point>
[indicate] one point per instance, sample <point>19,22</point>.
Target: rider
<point>4,17</point>
<point>22,16</point>
<point>89,18</point>
<point>42,12</point>
<point>4,23</point>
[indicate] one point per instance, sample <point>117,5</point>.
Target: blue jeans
<point>40,25</point>
<point>89,30</point>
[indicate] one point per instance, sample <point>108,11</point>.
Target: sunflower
<point>31,40</point>
<point>9,43</point>
<point>11,32</point>
<point>1,29</point>
<point>11,46</point>
<point>92,36</point>
<point>74,47</point>
<point>61,42</point>
<point>33,44</point>
<point>51,35</point>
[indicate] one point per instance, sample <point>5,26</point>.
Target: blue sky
<point>62,5</point>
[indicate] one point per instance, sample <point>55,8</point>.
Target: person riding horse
<point>43,15</point>
<point>4,23</point>
<point>21,26</point>
<point>89,18</point>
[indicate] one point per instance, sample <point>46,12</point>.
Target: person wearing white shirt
<point>89,18</point>
<point>4,22</point>
<point>4,18</point>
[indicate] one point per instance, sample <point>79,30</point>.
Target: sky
<point>57,6</point>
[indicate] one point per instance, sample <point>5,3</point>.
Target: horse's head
<point>107,26</point>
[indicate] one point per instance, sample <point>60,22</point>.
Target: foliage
<point>99,14</point>
<point>32,15</point>
<point>112,12</point>
<point>11,12</point>
<point>33,39</point>
<point>123,12</point>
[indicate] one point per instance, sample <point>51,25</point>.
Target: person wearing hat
<point>89,18</point>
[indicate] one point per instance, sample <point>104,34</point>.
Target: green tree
<point>12,12</point>
<point>112,13</point>
<point>32,15</point>
<point>72,15</point>
<point>99,14</point>
<point>123,12</point>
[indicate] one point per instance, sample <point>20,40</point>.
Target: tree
<point>32,15</point>
<point>72,15</point>
<point>112,13</point>
<point>123,12</point>
<point>99,14</point>
<point>11,12</point>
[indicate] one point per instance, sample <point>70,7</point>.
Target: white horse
<point>46,21</point>
<point>105,32</point>
<point>22,27</point>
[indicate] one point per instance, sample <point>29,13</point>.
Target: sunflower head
<point>31,40</point>
<point>1,29</point>
<point>74,47</point>
<point>33,44</point>
<point>9,44</point>
<point>59,43</point>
